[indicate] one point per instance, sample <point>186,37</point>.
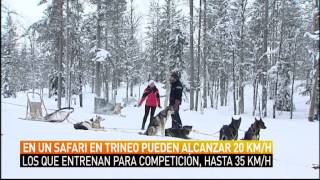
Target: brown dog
<point>253,132</point>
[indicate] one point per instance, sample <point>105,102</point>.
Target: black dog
<point>179,133</point>
<point>253,132</point>
<point>230,132</point>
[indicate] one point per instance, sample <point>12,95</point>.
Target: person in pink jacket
<point>152,97</point>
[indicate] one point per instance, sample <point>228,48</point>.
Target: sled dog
<point>179,133</point>
<point>97,122</point>
<point>230,132</point>
<point>253,132</point>
<point>91,124</point>
<point>159,121</point>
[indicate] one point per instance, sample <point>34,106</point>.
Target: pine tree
<point>9,60</point>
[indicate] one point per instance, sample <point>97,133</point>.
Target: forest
<point>217,46</point>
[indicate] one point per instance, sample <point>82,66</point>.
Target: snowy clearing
<point>296,141</point>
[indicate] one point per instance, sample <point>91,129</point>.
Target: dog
<point>230,132</point>
<point>97,122</point>
<point>159,121</point>
<point>179,133</point>
<point>253,132</point>
<point>117,109</point>
<point>91,124</point>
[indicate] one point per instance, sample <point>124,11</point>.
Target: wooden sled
<point>37,111</point>
<point>35,107</point>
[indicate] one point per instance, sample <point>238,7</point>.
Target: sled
<point>37,111</point>
<point>59,115</point>
<point>35,106</point>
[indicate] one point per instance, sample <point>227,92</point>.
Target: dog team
<point>157,123</point>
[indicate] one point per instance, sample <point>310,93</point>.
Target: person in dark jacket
<point>152,97</point>
<point>176,99</point>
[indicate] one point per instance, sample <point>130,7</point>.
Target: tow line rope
<point>21,105</point>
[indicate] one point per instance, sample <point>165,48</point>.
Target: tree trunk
<point>131,89</point>
<point>254,97</point>
<point>166,101</point>
<point>265,59</point>
<point>293,77</point>
<point>198,58</point>
<point>127,89</point>
<point>106,72</point>
<point>191,57</point>
<point>98,64</point>
<point>234,86</point>
<point>314,95</point>
<point>222,88</point>
<point>132,38</point>
<point>211,96</point>
<point>139,88</point>
<point>226,91</point>
<point>217,93</point>
<point>168,86</point>
<point>60,55</point>
<point>205,70</point>
<point>241,73</point>
<point>107,90</point>
<point>80,93</point>
<point>68,89</point>
<point>98,81</point>
<point>92,78</point>
<point>278,62</point>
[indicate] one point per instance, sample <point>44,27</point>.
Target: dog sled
<point>37,111</point>
<point>59,115</point>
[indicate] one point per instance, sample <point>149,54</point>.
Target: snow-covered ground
<point>296,141</point>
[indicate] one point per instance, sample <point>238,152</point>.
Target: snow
<point>101,55</point>
<point>296,141</point>
<point>312,36</point>
<point>269,52</point>
<point>273,69</point>
<point>236,116</point>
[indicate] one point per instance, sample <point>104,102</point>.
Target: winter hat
<point>176,75</point>
<point>151,82</point>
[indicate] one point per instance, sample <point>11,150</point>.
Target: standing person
<point>151,95</point>
<point>176,99</point>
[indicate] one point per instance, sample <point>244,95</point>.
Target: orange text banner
<point>145,147</point>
